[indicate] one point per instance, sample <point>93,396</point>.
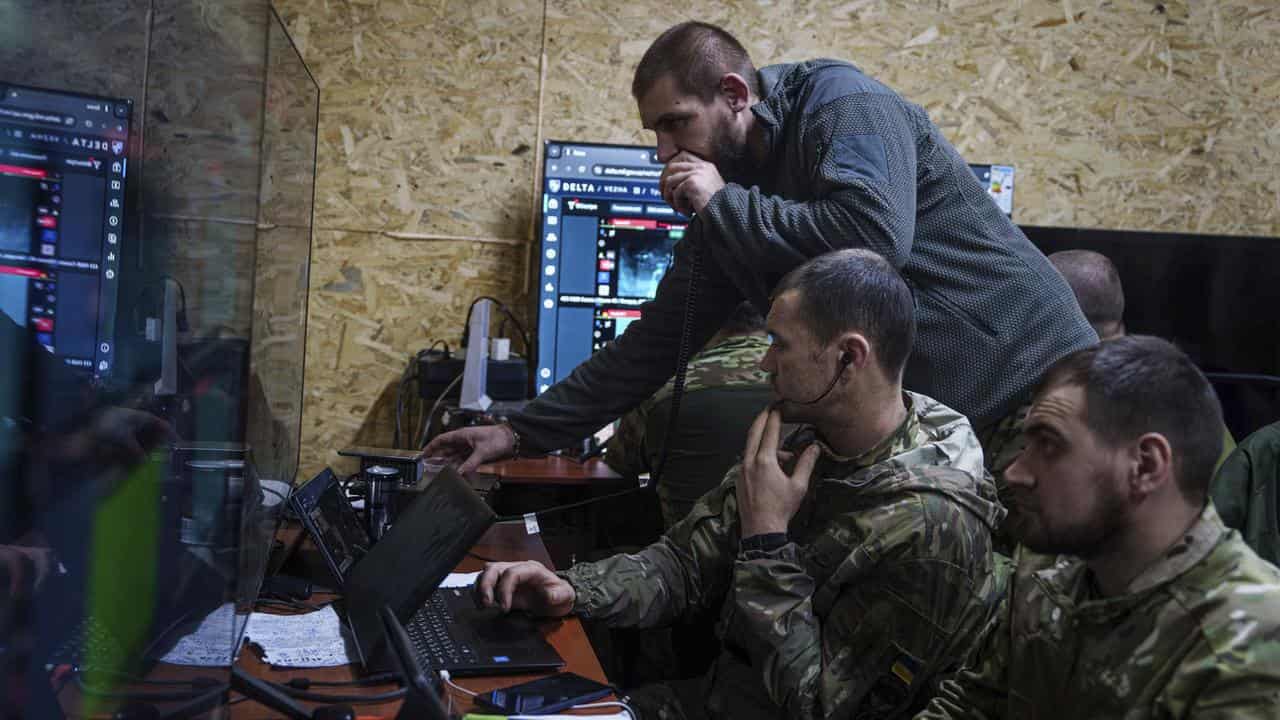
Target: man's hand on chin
<point>688,182</point>
<point>768,497</point>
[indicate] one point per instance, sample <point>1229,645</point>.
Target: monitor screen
<point>606,240</point>
<point>998,180</point>
<point>63,168</point>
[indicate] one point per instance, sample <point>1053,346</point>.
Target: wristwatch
<point>764,542</point>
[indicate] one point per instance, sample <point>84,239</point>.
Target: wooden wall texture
<point>1129,114</point>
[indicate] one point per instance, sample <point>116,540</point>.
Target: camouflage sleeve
<point>978,692</point>
<point>1233,672</point>
<point>687,570</point>
<point>873,652</point>
<point>1231,489</point>
<point>625,451</point>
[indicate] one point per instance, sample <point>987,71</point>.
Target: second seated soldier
<point>850,569</point>
<point>724,390</point>
<point>1130,598</point>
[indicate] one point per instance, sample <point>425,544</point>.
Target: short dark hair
<point>744,320</point>
<point>857,290</point>
<point>697,55</point>
<point>1096,283</point>
<point>1140,384</point>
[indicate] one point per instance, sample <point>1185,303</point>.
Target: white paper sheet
<point>314,639</point>
<point>210,643</point>
<point>460,579</point>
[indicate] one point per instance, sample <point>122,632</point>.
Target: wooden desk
<point>551,470</point>
<point>536,484</point>
<point>504,541</point>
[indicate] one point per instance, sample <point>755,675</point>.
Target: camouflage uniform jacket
<point>885,581</point>
<point>733,362</point>
<point>1246,491</point>
<point>1197,635</point>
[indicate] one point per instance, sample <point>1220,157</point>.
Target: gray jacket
<point>850,164</point>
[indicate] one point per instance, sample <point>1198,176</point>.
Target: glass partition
<point>157,168</point>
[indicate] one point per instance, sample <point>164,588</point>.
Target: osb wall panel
<point>204,108</point>
<point>427,112</point>
<point>277,347</point>
<point>283,261</point>
<point>1117,113</point>
<point>428,117</point>
<point>292,102</point>
<point>109,37</point>
<point>375,301</point>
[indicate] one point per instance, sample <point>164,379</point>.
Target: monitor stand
<point>475,370</point>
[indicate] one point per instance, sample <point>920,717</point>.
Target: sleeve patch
<point>860,157</point>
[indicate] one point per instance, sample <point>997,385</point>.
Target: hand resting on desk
<point>473,445</point>
<point>527,586</point>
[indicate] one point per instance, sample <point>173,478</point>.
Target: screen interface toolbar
<point>63,168</point>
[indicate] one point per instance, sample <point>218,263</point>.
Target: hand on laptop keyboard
<point>527,585</point>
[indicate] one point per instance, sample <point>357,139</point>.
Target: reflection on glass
<point>283,258</point>
<point>156,189</point>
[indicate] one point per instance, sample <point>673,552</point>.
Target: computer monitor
<point>64,165</point>
<point>998,181</point>
<point>606,240</point>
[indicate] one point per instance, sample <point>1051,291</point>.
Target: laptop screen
<point>324,509</point>
<point>428,540</point>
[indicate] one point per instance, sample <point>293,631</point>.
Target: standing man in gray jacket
<point>785,164</point>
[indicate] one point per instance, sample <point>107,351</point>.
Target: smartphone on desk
<point>544,695</point>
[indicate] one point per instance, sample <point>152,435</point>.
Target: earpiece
<point>845,358</point>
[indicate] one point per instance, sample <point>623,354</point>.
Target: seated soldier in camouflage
<point>850,570</point>
<point>724,389</point>
<point>1130,597</point>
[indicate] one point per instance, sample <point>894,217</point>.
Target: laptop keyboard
<point>90,644</point>
<point>429,630</point>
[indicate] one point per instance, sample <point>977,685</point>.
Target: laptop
<point>404,570</point>
<point>332,523</point>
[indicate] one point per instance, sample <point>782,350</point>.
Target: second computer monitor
<point>606,240</point>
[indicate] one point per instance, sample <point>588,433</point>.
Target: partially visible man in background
<point>725,390</point>
<point>1096,284</point>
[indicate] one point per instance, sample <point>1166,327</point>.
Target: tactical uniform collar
<point>1069,583</point>
<point>1194,546</point>
<point>904,438</point>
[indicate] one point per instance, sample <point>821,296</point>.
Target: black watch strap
<point>764,542</point>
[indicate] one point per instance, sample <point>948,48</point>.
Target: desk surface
<point>504,541</point>
<point>550,470</point>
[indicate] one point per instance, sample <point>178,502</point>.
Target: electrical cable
<point>302,694</point>
<point>382,678</point>
<point>422,439</point>
<point>136,680</point>
<point>682,359</point>
<point>524,336</point>
<point>410,372</point>
<point>197,687</point>
<point>444,675</point>
<point>197,705</point>
<point>608,703</point>
<point>291,604</point>
<point>570,506</point>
